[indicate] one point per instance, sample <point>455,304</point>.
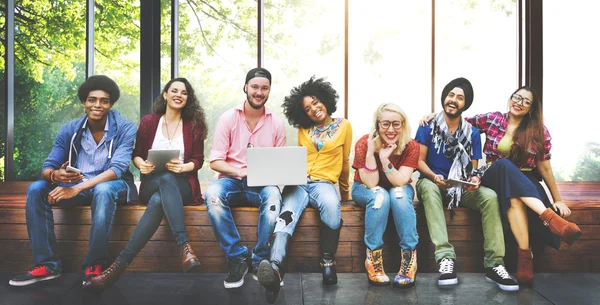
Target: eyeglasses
<point>517,99</point>
<point>386,124</point>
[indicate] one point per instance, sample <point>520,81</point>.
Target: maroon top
<point>193,149</point>
<point>409,157</point>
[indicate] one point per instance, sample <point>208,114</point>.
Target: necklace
<point>170,138</point>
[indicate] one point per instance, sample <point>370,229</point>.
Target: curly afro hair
<point>319,88</point>
<point>99,82</point>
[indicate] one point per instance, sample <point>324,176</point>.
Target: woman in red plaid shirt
<point>517,151</point>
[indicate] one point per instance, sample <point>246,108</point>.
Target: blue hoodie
<point>120,138</point>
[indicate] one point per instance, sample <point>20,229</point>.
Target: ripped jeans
<point>225,193</point>
<point>377,203</point>
<point>320,195</point>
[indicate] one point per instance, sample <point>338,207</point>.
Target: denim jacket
<point>121,137</point>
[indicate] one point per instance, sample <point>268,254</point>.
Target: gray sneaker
<point>238,267</point>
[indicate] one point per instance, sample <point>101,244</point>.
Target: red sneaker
<point>93,270</point>
<point>36,274</point>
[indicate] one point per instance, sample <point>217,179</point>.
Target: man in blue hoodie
<point>88,165</point>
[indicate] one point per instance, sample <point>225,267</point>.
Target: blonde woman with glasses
<point>384,161</point>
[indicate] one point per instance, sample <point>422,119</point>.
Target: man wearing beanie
<point>250,124</point>
<point>88,165</point>
<point>451,149</point>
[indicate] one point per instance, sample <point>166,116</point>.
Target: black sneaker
<point>499,276</point>
<point>238,267</point>
<point>447,273</point>
<point>36,274</point>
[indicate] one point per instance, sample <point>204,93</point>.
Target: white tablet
<point>160,157</point>
<point>460,182</point>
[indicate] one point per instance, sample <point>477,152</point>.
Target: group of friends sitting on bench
<point>89,165</point>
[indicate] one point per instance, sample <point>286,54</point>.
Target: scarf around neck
<point>456,147</point>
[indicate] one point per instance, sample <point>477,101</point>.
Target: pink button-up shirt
<point>232,136</point>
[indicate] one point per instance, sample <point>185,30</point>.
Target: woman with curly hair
<point>328,141</point>
<point>178,122</point>
<point>384,161</point>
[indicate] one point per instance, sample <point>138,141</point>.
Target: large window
<point>477,40</point>
<point>393,55</point>
<point>217,47</point>
<point>117,51</point>
<point>571,66</point>
<point>49,65</point>
<point>389,60</point>
<point>302,39</point>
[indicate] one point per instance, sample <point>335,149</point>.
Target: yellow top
<point>331,163</point>
<point>504,148</point>
<point>505,144</point>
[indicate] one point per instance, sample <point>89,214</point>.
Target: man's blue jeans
<point>103,199</point>
<point>320,195</point>
<point>225,193</point>
<point>377,203</point>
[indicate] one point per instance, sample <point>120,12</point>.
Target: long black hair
<point>192,111</point>
<point>530,132</point>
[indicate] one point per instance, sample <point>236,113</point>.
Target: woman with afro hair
<point>328,140</point>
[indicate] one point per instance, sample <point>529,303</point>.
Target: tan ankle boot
<point>568,231</point>
<point>106,279</point>
<point>189,260</point>
<point>525,266</point>
<point>374,266</point>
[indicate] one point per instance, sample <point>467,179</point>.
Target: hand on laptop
<point>242,172</point>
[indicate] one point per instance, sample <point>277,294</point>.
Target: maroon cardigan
<point>193,151</point>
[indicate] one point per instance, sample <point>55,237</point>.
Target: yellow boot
<point>374,265</point>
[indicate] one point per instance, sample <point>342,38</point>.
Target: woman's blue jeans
<point>377,203</point>
<point>320,195</point>
<point>164,194</point>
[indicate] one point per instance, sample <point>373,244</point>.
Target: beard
<point>458,113</point>
<point>253,105</point>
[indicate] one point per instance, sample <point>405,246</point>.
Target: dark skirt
<point>509,181</point>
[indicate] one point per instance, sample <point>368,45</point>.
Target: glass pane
<point>571,65</point>
<point>217,47</point>
<point>303,38</point>
<point>165,42</point>
<point>389,60</point>
<point>477,40</point>
<point>3,94</point>
<point>49,66</point>
<point>117,51</point>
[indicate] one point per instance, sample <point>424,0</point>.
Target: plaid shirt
<point>494,124</point>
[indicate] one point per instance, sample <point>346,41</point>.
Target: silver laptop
<point>276,165</point>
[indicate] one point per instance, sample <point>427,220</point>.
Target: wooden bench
<point>160,254</point>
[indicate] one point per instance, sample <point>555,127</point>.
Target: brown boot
<point>189,260</point>
<point>106,279</point>
<point>525,266</point>
<point>568,231</point>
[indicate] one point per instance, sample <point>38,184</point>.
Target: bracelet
<point>387,171</point>
<point>370,170</point>
<point>52,177</point>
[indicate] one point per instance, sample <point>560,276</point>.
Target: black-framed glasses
<point>386,124</point>
<point>518,99</point>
